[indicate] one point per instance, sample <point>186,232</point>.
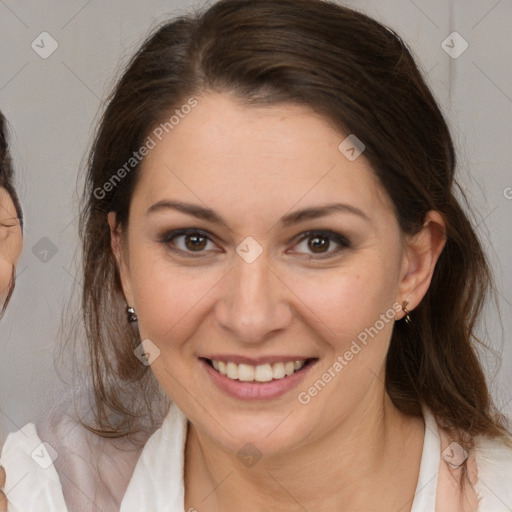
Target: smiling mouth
<point>260,373</point>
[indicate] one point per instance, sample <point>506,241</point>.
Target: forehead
<point>224,153</point>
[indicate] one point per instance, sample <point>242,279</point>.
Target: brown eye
<point>195,242</point>
<point>323,244</point>
<point>186,242</point>
<point>318,244</point>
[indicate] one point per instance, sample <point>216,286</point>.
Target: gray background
<point>52,105</point>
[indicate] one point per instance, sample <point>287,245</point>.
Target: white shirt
<point>157,484</point>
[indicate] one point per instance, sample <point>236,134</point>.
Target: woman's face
<point>253,241</point>
<point>10,242</point>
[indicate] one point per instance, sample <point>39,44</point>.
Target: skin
<point>3,498</point>
<point>349,446</point>
<point>10,250</point>
<point>10,242</point>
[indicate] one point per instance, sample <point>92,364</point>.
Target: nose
<point>254,305</point>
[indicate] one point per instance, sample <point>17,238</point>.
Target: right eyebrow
<point>190,209</point>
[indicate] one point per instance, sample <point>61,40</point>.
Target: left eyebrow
<point>321,211</point>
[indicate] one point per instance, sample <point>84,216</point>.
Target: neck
<point>353,467</point>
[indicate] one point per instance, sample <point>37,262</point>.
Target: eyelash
<point>343,243</point>
<point>8,224</point>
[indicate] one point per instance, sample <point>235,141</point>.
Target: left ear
<point>421,253</point>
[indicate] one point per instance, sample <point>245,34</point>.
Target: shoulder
<point>94,470</point>
<point>157,482</point>
<point>60,465</point>
<point>31,478</point>
<point>493,458</point>
<point>479,478</point>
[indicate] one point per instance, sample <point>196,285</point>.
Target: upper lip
<point>255,361</point>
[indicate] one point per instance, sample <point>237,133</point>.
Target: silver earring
<point>132,316</point>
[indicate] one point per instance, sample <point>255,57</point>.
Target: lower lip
<point>257,390</point>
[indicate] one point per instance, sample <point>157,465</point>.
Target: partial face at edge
<point>248,283</point>
<point>10,242</point>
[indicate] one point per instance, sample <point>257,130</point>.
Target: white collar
<point>426,489</point>
<point>157,482</point>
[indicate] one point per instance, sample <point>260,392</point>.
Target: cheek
<point>10,250</point>
<point>11,242</point>
<point>169,300</point>
<point>5,277</point>
<point>346,302</point>
<point>353,316</point>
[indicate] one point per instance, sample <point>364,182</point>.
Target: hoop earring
<point>407,316</point>
<point>132,316</point>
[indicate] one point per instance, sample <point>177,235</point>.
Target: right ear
<point>121,256</point>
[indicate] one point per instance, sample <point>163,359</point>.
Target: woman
<point>271,237</point>
<point>10,222</point>
<point>10,238</point>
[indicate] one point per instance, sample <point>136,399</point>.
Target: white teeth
<point>232,370</point>
<point>278,370</point>
<point>260,373</point>
<point>263,373</point>
<point>245,372</point>
<point>289,367</point>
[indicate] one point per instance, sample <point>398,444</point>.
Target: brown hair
<point>6,182</point>
<point>359,76</point>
